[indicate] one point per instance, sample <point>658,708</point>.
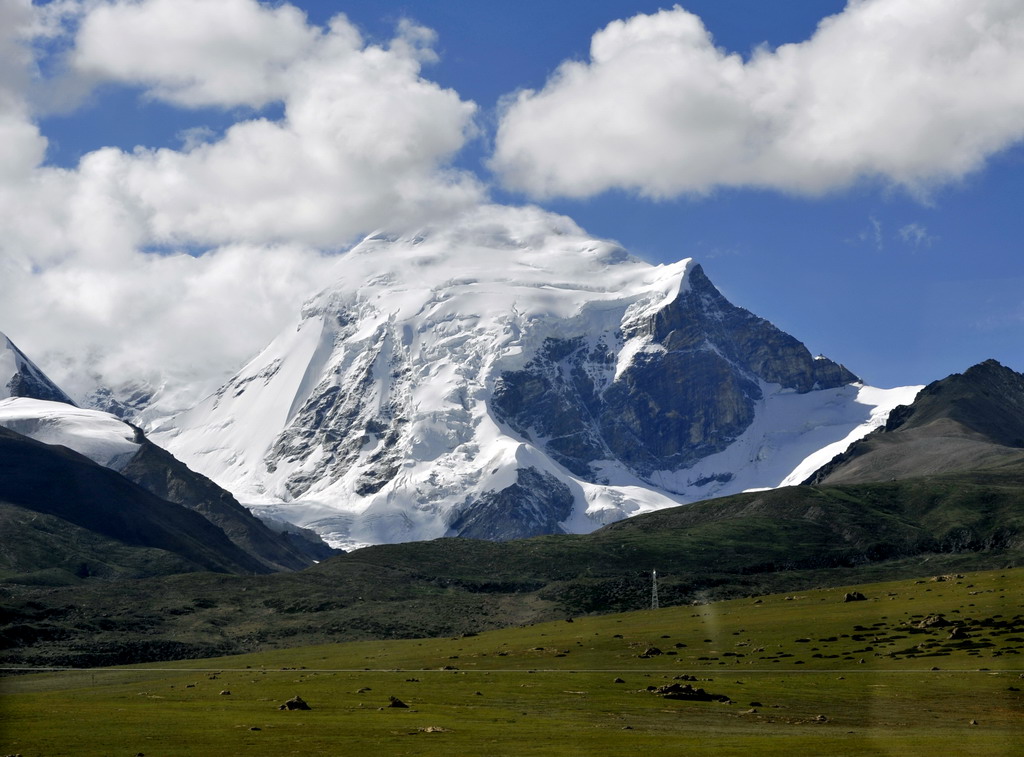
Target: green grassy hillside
<point>804,673</point>
<point>780,540</point>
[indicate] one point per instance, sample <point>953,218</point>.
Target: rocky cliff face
<point>537,503</point>
<point>358,409</point>
<point>691,389</point>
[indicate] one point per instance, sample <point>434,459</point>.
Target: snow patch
<point>99,436</point>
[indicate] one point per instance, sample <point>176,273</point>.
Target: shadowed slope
<point>58,482</point>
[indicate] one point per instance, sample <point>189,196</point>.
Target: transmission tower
<point>654,590</point>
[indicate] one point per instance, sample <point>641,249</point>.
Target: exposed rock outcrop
<point>535,504</point>
<point>689,390</point>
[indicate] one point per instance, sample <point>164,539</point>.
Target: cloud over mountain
<point>914,94</point>
<point>163,246</point>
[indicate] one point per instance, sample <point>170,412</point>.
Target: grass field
<point>805,674</point>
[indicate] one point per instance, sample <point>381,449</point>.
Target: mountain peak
<point>964,421</point>
<point>20,377</point>
<point>415,396</point>
<point>987,398</point>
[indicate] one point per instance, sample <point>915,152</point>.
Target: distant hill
<point>963,422</point>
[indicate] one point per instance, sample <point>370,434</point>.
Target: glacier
<point>510,363</point>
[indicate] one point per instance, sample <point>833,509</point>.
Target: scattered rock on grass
<point>396,702</point>
<point>295,703</point>
<point>686,692</point>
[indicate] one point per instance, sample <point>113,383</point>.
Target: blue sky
<point>904,270</point>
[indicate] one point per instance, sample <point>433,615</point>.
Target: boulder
<point>934,621</point>
<point>687,692</point>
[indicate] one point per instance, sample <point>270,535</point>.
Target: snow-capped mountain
<point>32,405</point>
<point>508,375</point>
<point>20,377</point>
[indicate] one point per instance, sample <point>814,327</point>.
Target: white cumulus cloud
<point>176,265</point>
<point>912,93</point>
<point>196,52</point>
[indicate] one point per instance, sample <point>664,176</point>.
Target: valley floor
<point>797,675</point>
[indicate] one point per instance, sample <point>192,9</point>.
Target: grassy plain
<point>805,674</point>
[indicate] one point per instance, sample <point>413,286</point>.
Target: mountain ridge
<point>59,482</point>
<point>444,364</point>
<point>968,420</point>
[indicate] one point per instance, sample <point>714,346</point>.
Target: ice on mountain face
<point>510,359</point>
<point>99,436</point>
<point>792,435</point>
<point>20,377</point>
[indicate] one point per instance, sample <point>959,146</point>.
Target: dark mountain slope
<point>160,473</point>
<point>151,467</point>
<point>58,482</point>
<point>964,422</point>
<point>987,399</point>
<point>46,550</point>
